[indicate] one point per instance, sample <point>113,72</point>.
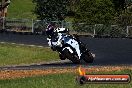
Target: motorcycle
<point>69,46</point>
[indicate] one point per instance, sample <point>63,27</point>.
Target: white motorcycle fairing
<point>73,43</point>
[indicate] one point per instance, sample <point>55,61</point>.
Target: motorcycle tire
<point>87,57</point>
<point>62,57</point>
<point>73,57</point>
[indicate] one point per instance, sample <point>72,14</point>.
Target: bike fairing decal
<point>68,49</point>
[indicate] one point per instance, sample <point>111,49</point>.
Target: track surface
<point>108,51</point>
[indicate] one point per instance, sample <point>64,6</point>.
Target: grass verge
<point>21,9</point>
<point>17,55</point>
<point>60,80</point>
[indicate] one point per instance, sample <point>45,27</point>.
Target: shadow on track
<point>50,65</point>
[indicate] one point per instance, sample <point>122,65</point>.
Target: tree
<point>119,5</point>
<point>124,12</point>
<point>95,12</point>
<point>51,9</point>
<point>71,6</point>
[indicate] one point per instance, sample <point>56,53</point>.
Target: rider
<point>50,33</point>
<point>55,34</point>
<point>54,37</point>
<point>50,30</point>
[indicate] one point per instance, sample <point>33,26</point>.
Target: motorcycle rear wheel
<point>87,57</point>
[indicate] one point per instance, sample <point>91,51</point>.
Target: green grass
<point>16,54</point>
<point>65,80</point>
<point>21,9</point>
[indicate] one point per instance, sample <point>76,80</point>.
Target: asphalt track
<point>115,51</point>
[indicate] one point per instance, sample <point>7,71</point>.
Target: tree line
<point>86,11</point>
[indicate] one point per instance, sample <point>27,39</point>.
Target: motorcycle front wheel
<point>71,56</point>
